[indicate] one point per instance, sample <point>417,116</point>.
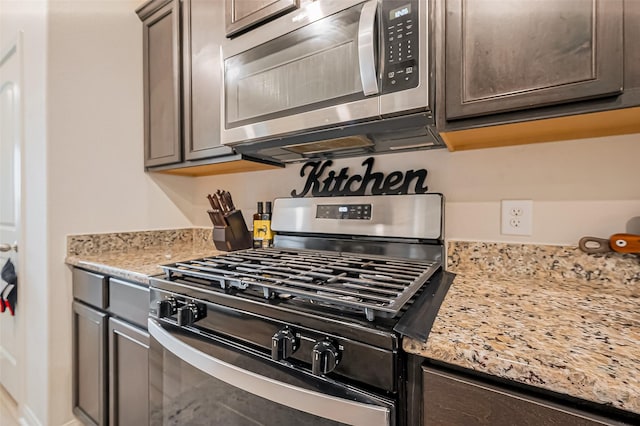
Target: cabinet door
<point>161,67</point>
<point>242,14</point>
<point>505,55</point>
<point>456,401</point>
<point>129,374</point>
<point>203,30</point>
<point>89,364</point>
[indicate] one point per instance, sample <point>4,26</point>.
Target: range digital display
<point>399,12</point>
<point>345,211</point>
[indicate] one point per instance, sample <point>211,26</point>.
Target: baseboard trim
<point>28,417</point>
<point>74,422</point>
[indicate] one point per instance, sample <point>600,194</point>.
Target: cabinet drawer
<point>90,288</point>
<point>452,400</point>
<point>129,301</point>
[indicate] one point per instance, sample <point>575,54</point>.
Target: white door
<point>10,141</point>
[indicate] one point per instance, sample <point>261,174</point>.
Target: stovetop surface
<point>376,286</point>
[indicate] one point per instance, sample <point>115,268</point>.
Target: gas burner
<point>375,285</point>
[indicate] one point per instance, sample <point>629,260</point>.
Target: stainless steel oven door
<point>310,69</point>
<point>199,379</point>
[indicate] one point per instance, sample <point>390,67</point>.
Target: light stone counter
<point>136,256</point>
<point>547,316</point>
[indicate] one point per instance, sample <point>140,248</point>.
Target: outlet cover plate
<point>516,217</point>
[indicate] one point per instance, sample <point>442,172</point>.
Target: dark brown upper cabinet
<point>161,75</point>
<point>509,55</point>
<point>241,15</point>
<point>182,89</point>
<point>182,73</point>
<point>202,33</point>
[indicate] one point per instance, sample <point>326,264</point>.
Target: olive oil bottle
<point>267,241</point>
<point>258,228</point>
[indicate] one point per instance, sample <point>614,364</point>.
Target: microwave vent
<point>338,144</point>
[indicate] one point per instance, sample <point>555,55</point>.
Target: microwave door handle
<point>366,48</point>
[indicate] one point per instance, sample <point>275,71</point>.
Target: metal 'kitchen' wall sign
<point>341,183</point>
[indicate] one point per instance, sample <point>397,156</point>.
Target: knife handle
<point>625,243</point>
<point>592,245</point>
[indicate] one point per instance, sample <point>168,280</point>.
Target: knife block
<point>234,235</point>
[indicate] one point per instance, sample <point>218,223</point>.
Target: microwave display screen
<point>400,12</point>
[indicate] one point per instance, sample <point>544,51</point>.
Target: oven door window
<point>203,380</point>
<point>313,67</point>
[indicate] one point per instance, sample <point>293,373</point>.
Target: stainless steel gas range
<point>307,332</point>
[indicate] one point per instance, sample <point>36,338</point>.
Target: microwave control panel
<point>400,38</point>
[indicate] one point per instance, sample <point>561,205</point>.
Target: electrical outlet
<point>517,217</point>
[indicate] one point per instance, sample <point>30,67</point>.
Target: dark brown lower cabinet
<point>128,374</point>
<point>110,350</point>
<point>89,364</point>
<point>452,400</point>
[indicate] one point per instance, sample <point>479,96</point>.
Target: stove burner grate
<point>375,285</point>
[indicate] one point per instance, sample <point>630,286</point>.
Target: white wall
<point>95,156</point>
<point>83,168</point>
<point>583,187</point>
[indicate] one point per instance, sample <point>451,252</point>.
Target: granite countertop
<point>550,317</point>
<point>136,265</point>
<point>136,256</point>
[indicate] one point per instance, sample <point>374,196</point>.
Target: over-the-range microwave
<point>334,78</point>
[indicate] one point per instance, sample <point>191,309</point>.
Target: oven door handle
<point>367,48</point>
<point>319,404</point>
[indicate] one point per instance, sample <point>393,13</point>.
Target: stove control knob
<point>188,314</point>
<point>325,357</point>
<point>167,307</point>
<point>283,344</point>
